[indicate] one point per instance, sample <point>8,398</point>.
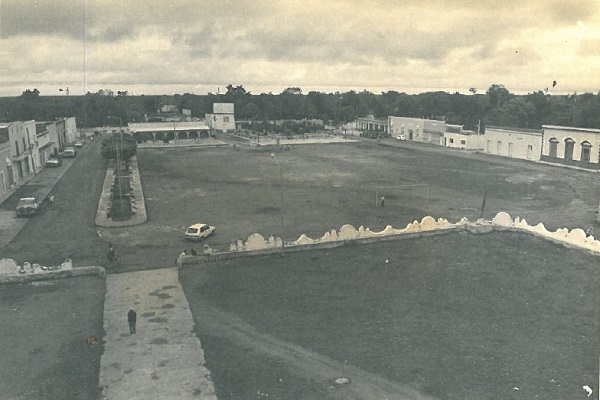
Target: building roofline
<point>570,128</point>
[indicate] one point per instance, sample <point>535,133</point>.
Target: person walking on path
<point>382,201</point>
<point>131,318</point>
<point>51,200</point>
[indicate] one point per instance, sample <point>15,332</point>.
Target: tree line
<point>497,106</point>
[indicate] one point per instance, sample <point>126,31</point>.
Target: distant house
<point>458,138</point>
<point>418,129</point>
<point>520,143</point>
<point>168,108</point>
<point>222,118</point>
<point>174,130</point>
<point>569,145</point>
<point>371,126</point>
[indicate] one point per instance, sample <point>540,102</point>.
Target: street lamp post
<point>281,200</point>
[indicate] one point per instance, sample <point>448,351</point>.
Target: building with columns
<point>371,124</point>
<point>144,131</point>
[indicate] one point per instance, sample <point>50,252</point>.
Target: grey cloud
<point>41,18</point>
<point>569,12</point>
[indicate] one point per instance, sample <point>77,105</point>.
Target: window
<point>463,142</point>
<point>586,150</point>
<point>451,140</point>
<point>225,119</point>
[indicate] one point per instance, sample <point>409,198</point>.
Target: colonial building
<point>513,142</point>
<point>458,138</point>
<point>47,140</point>
<point>372,126</point>
<point>23,149</point>
<point>144,131</point>
<point>222,119</point>
<point>569,145</point>
<point>6,172</point>
<point>418,129</point>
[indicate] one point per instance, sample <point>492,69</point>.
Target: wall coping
<point>428,226</point>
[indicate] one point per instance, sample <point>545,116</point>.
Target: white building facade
<point>24,150</point>
<point>572,146</point>
<point>418,129</point>
<point>222,119</point>
<point>525,144</point>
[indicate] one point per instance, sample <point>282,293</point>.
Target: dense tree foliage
<point>119,144</point>
<point>497,106</point>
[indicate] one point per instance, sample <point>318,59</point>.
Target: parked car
<point>400,137</point>
<point>78,144</point>
<point>27,206</point>
<point>53,162</point>
<point>69,152</point>
<point>199,231</point>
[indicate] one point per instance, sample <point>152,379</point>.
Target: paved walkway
<point>164,359</point>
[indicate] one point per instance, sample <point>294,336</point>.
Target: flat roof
<point>570,128</point>
<point>168,126</point>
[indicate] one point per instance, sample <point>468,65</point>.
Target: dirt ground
<point>455,316</point>
<point>326,186</point>
<point>44,329</point>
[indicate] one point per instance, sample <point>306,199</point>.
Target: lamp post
<point>281,200</point>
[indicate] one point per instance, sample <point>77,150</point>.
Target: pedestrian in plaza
<point>51,200</point>
<point>179,262</point>
<point>131,318</point>
<point>590,231</point>
<point>382,201</point>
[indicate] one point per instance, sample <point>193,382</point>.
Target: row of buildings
<point>25,147</point>
<point>177,126</point>
<point>560,144</point>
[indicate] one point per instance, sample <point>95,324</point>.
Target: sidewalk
<point>164,359</point>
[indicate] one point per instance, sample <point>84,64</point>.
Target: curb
<point>140,216</point>
<point>68,273</point>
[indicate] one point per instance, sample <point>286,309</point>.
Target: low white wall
<point>502,221</point>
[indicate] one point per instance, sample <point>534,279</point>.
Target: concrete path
<point>164,359</point>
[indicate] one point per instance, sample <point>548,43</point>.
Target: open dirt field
<point>456,316</point>
<point>326,186</point>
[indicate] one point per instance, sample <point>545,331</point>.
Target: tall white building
<point>222,118</point>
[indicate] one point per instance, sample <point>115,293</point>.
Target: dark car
<point>27,206</point>
<point>53,162</point>
<point>69,152</point>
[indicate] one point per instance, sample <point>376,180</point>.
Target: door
<point>529,151</point>
<point>553,151</point>
<point>510,149</point>
<point>569,144</point>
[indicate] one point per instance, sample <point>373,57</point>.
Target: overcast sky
<point>199,46</point>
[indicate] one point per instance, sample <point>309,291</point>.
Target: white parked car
<point>400,137</point>
<point>199,231</point>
